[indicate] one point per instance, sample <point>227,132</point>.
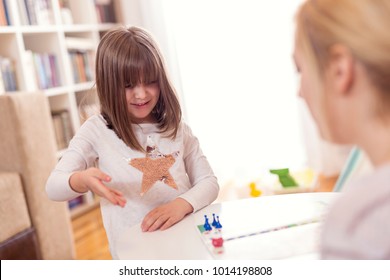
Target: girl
<point>136,154</point>
<point>342,51</point>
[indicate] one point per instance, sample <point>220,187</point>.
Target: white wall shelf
<point>40,52</point>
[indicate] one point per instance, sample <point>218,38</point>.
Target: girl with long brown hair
<point>137,154</point>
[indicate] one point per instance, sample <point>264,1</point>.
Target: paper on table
<point>267,237</point>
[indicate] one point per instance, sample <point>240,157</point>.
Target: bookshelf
<point>49,46</point>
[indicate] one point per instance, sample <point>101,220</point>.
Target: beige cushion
<point>13,208</point>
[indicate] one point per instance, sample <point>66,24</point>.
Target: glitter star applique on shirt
<point>155,167</point>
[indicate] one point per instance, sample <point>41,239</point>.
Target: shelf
<point>56,56</point>
<point>30,29</point>
<point>83,86</point>
<point>87,27</point>
<point>57,91</point>
<point>79,28</point>
<point>8,29</point>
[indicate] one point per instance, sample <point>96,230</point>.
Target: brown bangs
<point>140,66</point>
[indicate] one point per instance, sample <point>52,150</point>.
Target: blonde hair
<point>128,56</point>
<point>361,25</point>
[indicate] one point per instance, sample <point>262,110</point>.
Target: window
<point>239,86</point>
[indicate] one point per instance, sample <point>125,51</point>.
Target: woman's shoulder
<point>364,196</point>
<point>376,180</point>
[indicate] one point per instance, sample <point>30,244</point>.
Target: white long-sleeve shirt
<point>94,142</point>
<point>358,224</point>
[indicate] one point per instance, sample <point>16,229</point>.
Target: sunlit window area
<point>239,86</point>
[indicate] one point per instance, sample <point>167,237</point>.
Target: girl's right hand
<point>92,180</point>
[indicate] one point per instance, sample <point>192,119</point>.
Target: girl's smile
<point>141,104</point>
<point>141,100</point>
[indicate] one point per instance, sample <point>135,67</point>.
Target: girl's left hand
<point>166,215</point>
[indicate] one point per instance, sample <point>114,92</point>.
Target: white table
<point>239,217</point>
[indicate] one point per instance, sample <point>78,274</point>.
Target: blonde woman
<point>342,52</point>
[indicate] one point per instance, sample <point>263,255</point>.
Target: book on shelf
<point>3,20</point>
<point>77,201</point>
<point>4,13</point>
<point>66,13</point>
<point>31,78</point>
<point>62,128</point>
<point>105,11</point>
<point>44,12</point>
<point>35,12</point>
<point>8,77</point>
<point>46,70</point>
<point>55,79</point>
<point>22,11</point>
<point>2,88</point>
<point>81,65</point>
<point>86,199</point>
